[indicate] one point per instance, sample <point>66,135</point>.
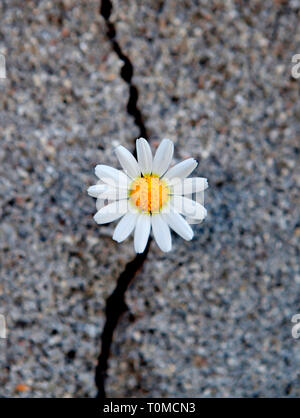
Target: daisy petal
<point>125,227</point>
<point>179,225</point>
<point>144,155</point>
<point>128,162</point>
<point>181,170</point>
<point>189,186</point>
<point>188,207</point>
<point>112,193</point>
<point>163,157</point>
<point>110,175</point>
<point>96,190</point>
<point>111,212</point>
<point>200,199</point>
<point>161,232</point>
<point>142,232</point>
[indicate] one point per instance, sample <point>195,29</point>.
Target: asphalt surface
<point>210,319</point>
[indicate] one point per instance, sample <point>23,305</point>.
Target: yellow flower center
<point>149,193</point>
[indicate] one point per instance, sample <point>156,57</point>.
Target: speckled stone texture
<point>212,318</point>
<point>63,109</point>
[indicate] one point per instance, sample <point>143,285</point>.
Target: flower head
<point>148,194</point>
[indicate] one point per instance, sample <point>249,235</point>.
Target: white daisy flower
<point>148,194</point>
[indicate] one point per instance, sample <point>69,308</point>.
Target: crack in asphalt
<point>115,304</point>
<point>127,69</point>
<point>115,307</point>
